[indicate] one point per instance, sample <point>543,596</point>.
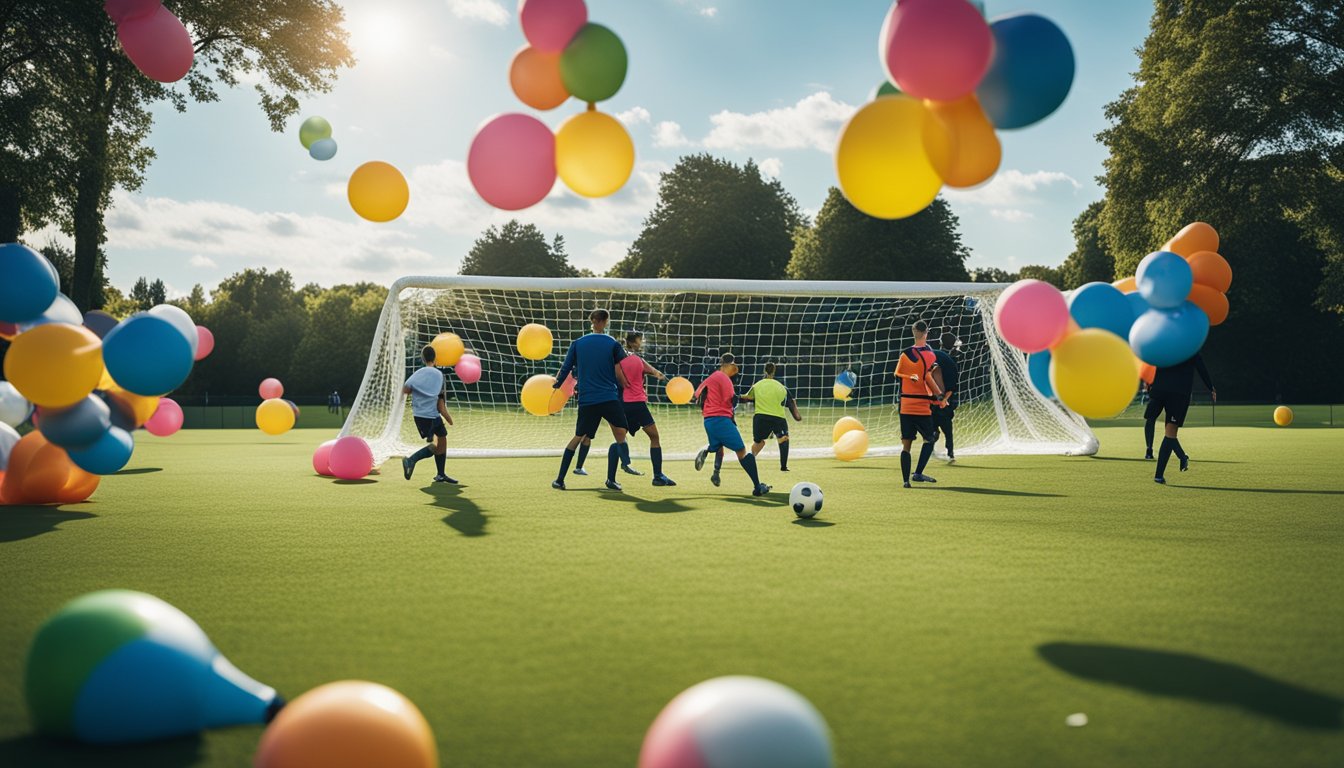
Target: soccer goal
<point>811,330</point>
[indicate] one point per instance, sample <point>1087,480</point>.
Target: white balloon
<point>62,310</point>
<point>14,407</point>
<point>8,438</point>
<point>181,321</point>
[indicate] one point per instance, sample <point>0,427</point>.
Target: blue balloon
<point>1031,72</point>
<point>147,355</point>
<point>79,426</point>
<point>323,149</point>
<point>1167,337</point>
<point>1164,279</point>
<point>1137,305</point>
<point>847,378</point>
<point>29,286</point>
<point>1038,370</point>
<point>107,455</point>
<point>1101,305</point>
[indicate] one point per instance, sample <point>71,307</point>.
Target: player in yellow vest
<point>772,399</point>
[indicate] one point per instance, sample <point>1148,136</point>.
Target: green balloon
<point>593,65</point>
<point>314,129</point>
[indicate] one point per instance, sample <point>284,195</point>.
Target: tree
<point>848,244</point>
<point>158,293</point>
<point>517,250</point>
<point>1089,261</point>
<point>1050,275</point>
<point>77,112</point>
<point>141,295</point>
<point>992,275</point>
<point>258,320</point>
<point>715,219</point>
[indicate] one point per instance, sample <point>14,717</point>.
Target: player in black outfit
<point>1170,392</point>
<point>942,417</point>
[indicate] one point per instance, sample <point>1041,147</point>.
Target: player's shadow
<point>51,753</point>
<point>997,492</point>
<point>812,523</point>
<point>662,506</point>
<point>1151,461</point>
<point>465,516</point>
<point>1292,491</point>
<point>28,520</point>
<point>139,471</point>
<point>1196,678</point>
<point>772,499</point>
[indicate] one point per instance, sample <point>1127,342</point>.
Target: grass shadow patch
<point>1291,491</point>
<point>138,471</point>
<point>28,520</point>
<point>805,522</point>
<point>52,753</point>
<point>361,481</point>
<point>997,492</point>
<point>465,516</point>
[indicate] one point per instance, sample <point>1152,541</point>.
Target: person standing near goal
<point>1170,393</point>
<point>425,387</point>
<point>637,414</point>
<point>919,390</point>
<point>595,358</point>
<point>718,394</point>
<point>946,409</point>
<point>771,399</point>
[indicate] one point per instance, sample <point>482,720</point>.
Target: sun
<point>377,34</point>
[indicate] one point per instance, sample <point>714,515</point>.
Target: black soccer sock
<point>718,461</point>
<point>784,455</point>
<point>613,458</point>
<point>749,464</point>
<point>583,454</point>
<point>439,460</point>
<point>625,453</point>
<point>564,464</point>
<point>905,466</point>
<point>1164,456</point>
<point>925,451</point>
<point>1149,427</point>
<point>947,438</point>
<point>1177,449</point>
<point>656,456</point>
<point>423,453</point>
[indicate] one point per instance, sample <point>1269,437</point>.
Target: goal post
<point>812,330</point>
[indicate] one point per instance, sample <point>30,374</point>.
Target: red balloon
<point>512,162</point>
<point>935,49</point>
<point>125,10</point>
<point>158,45</point>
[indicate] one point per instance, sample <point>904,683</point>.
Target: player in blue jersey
<point>595,358</point>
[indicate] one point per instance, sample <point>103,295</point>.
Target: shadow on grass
<point>465,515</point>
<point>361,481</point>
<point>996,492</point>
<point>26,521</point>
<point>139,471</point>
<point>1152,461</point>
<point>51,753</point>
<point>662,506</point>
<point>803,522</point>
<point>1293,491</point>
<point>1186,676</point>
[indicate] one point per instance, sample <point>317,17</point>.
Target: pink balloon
<point>468,369</point>
<point>549,25</point>
<point>568,385</point>
<point>270,389</point>
<point>167,418</point>
<point>1032,315</point>
<point>322,458</point>
<point>158,45</point>
<point>125,10</point>
<point>512,162</point>
<point>935,49</point>
<point>351,458</point>
<point>207,342</point>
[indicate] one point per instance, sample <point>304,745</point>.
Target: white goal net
<point>811,330</point>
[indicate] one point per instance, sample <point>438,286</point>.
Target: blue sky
<point>771,80</point>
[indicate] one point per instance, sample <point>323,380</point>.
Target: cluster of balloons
<point>953,79</point>
<point>514,159</point>
<point>315,136</point>
<point>86,382</point>
<point>345,458</point>
<point>378,191</point>
<point>845,383</point>
<point>153,38</point>
<point>275,415</point>
<point>849,439</point>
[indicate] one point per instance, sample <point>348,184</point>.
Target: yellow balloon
<point>138,407</point>
<point>840,391</point>
<point>851,446</point>
<point>275,417</point>
<point>448,349</point>
<point>845,424</point>
<point>1094,373</point>
<point>535,341</point>
<point>378,191</point>
<point>594,154</point>
<point>538,396</point>
<point>680,390</point>
<point>55,365</point>
<point>968,153</point>
<point>1283,415</point>
<point>882,161</point>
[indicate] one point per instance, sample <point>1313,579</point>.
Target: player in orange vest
<point>919,390</point>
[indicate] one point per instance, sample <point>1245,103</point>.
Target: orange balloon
<point>1147,373</point>
<point>348,725</point>
<point>46,474</point>
<point>535,78</point>
<point>19,458</point>
<point>971,153</point>
<point>1212,270</point>
<point>3,502</point>
<point>79,487</point>
<point>1211,301</point>
<point>1192,239</point>
<point>1126,285</point>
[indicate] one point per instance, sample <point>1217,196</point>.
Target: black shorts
<point>591,416</point>
<point>762,427</point>
<point>943,416</point>
<point>637,416</point>
<point>1174,403</point>
<point>912,425</point>
<point>430,428</point>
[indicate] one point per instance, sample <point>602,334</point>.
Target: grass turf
<point>1195,624</point>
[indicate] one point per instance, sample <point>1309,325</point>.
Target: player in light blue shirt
<point>425,387</point>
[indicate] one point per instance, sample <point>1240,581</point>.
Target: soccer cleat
<point>581,471</point>
<point>558,485</point>
<point>612,485</point>
<point>783,469</point>
<point>761,490</point>
<point>1160,480</point>
<point>629,470</point>
<point>1185,463</point>
<point>1149,455</point>
<point>700,459</point>
<point>407,467</point>
<point>907,483</point>
<point>951,459</point>
<point>714,478</point>
<point>662,480</point>
<point>441,478</point>
<point>918,478</point>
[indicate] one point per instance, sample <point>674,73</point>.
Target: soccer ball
<point>805,498</point>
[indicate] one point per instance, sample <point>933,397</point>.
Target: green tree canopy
<point>715,219</point>
<point>848,244</point>
<point>1089,262</point>
<point>517,250</point>
<point>992,275</point>
<point>1051,275</point>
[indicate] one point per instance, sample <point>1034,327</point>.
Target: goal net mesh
<point>812,331</point>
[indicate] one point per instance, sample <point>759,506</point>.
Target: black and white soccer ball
<point>805,498</point>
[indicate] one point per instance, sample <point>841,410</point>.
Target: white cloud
<point>1011,214</point>
<point>771,166</point>
<point>669,134</point>
<point>439,53</point>
<point>709,12</point>
<point>488,11</point>
<point>203,262</point>
<point>814,122</point>
<point>1012,188</point>
<point>604,255</point>
<point>634,116</point>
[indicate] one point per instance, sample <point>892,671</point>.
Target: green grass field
<point>1195,624</point>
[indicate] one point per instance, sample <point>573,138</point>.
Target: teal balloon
<point>1164,279</point>
<point>1167,337</point>
<point>29,286</point>
<point>593,66</point>
<point>1101,305</point>
<point>107,455</point>
<point>1031,72</point>
<point>847,379</point>
<point>1038,370</point>
<point>147,355</point>
<point>323,149</point>
<point>314,129</point>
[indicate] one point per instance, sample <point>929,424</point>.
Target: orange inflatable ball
<point>55,365</point>
<point>1212,270</point>
<point>349,724</point>
<point>1192,239</point>
<point>378,192</point>
<point>535,78</point>
<point>1147,373</point>
<point>1211,300</point>
<point>1283,415</point>
<point>1126,285</point>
